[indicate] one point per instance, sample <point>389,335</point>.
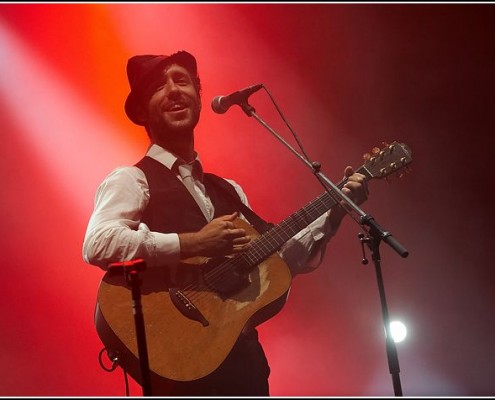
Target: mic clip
<point>128,268</point>
<point>362,238</point>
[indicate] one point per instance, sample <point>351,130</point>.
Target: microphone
<point>220,104</point>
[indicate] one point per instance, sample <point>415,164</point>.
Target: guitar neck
<point>272,240</point>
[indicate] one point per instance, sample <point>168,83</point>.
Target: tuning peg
<point>375,151</point>
<point>366,156</point>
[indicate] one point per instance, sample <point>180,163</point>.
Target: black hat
<point>144,73</point>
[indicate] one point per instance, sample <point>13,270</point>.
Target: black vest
<point>172,208</point>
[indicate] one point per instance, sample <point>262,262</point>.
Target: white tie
<point>185,171</point>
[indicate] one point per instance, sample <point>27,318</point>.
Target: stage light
<point>398,331</point>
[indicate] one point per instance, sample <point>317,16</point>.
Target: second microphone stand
<point>131,270</point>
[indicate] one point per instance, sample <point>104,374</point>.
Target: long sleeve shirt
<point>115,231</point>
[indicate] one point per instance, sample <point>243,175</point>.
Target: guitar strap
<point>259,223</point>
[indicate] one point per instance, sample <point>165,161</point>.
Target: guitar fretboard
<point>272,240</point>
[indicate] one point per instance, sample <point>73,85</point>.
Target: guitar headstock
<point>380,163</point>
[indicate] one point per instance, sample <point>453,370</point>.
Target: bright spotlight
<point>398,331</point>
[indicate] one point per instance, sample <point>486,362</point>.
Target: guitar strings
<point>261,247</point>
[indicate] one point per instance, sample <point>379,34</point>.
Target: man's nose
<point>173,89</point>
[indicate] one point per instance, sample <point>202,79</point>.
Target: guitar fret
<point>272,240</point>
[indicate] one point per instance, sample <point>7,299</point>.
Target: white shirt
<point>115,231</point>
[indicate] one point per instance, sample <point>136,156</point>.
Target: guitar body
<point>183,347</point>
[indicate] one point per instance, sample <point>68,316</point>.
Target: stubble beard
<point>169,133</point>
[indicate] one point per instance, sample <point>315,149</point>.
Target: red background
<point>347,77</point>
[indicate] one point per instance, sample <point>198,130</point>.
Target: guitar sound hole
<point>221,276</point>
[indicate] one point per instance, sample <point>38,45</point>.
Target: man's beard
<point>165,130</point>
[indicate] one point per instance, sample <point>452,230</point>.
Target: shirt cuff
<point>167,249</point>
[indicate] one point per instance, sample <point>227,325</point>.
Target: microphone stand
<point>131,271</point>
<point>375,235</point>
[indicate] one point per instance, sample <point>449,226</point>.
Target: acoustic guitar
<point>193,320</point>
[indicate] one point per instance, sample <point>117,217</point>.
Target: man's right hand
<point>218,238</point>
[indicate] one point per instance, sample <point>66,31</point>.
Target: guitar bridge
<point>186,307</point>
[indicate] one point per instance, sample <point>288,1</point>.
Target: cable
<point>114,357</point>
<point>315,164</point>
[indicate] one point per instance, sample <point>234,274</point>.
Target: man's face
<point>175,106</point>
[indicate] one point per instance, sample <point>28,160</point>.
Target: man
<point>151,211</point>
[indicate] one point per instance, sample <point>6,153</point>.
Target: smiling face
<point>174,108</point>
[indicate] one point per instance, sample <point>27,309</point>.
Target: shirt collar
<point>168,159</point>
